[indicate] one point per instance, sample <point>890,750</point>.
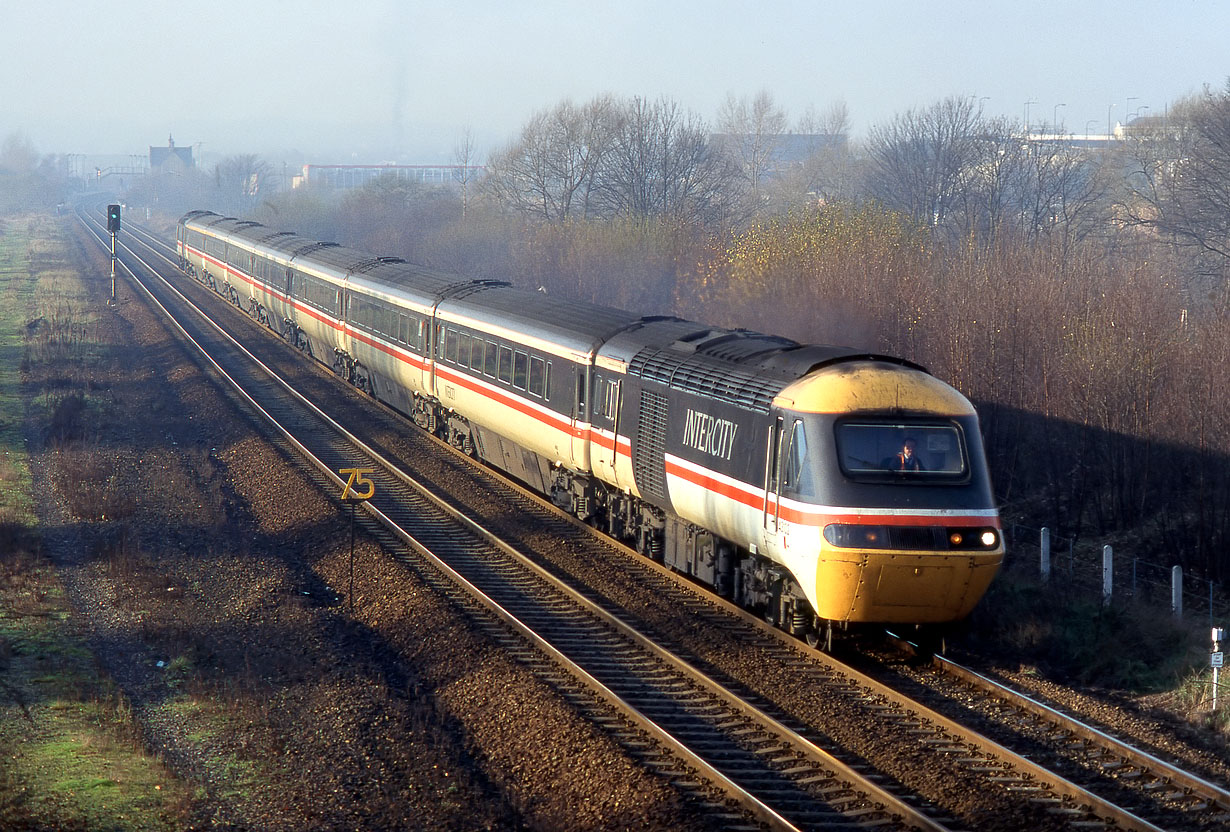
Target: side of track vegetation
<point>71,754</point>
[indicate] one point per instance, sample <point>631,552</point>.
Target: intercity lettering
<point>706,434</point>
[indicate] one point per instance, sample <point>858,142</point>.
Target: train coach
<point>818,485</point>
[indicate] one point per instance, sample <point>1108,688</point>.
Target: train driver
<point>906,459</point>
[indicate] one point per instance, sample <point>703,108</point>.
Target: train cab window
<point>903,452</point>
<point>538,377</point>
<point>450,346</point>
<point>797,472</point>
<point>489,362</point>
<point>506,365</point>
<point>463,350</point>
<point>521,369</point>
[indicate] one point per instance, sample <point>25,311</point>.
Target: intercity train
<point>817,485</point>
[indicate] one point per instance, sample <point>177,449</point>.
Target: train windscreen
<point>924,452</point>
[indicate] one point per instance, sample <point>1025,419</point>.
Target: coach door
<point>771,512</point>
<point>581,448</point>
<point>605,418</point>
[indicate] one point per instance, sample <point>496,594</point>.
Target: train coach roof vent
<point>248,224</point>
<point>714,380</point>
<point>312,246</point>
<point>367,265</point>
<point>471,286</point>
<point>275,235</point>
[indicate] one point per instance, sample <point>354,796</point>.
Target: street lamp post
<point>1089,126</point>
<point>1027,103</point>
<point>1054,121</point>
<point>1108,130</point>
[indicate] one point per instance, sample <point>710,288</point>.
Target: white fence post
<point>1108,574</point>
<point>1176,590</point>
<point>1046,554</point>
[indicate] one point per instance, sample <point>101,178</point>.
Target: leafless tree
<point>750,135</point>
<point>17,154</point>
<point>829,170</point>
<point>660,164</point>
<point>26,179</point>
<point>919,161</point>
<point>1180,178</point>
<point>464,156</point>
<point>242,181</point>
<point>549,172</point>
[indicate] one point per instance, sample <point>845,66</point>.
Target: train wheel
<point>820,635</point>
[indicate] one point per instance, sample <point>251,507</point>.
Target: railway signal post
<point>113,226</point>
<point>351,494</point>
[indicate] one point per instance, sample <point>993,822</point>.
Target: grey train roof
<point>737,366</point>
<point>572,324</point>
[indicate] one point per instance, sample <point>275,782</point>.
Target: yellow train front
<point>883,508</point>
<point>819,485</point>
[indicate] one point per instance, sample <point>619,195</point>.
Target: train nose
<point>902,587</point>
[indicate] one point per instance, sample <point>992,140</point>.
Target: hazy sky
<point>354,80</point>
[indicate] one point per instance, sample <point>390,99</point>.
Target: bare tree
<point>242,181</point>
<point>828,171</point>
<point>550,170</point>
<point>463,156</point>
<point>751,133</point>
<point>918,160</point>
<point>1180,182</point>
<point>660,164</point>
<point>17,154</point>
<point>26,179</point>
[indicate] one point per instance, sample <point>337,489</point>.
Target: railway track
<point>1142,780</point>
<point>688,714</point>
<point>682,723</point>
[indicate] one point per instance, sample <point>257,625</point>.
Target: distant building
<point>170,159</point>
<point>345,177</point>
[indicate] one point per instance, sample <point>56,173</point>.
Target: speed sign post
<point>358,489</point>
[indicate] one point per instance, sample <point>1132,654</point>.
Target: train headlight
<point>910,538</point>
<point>854,536</point>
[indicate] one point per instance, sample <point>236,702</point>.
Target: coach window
<point>582,390</point>
<point>463,350</point>
<point>521,368</point>
<point>506,365</point>
<point>489,361</point>
<point>538,376</point>
<point>476,356</point>
<point>450,346</point>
